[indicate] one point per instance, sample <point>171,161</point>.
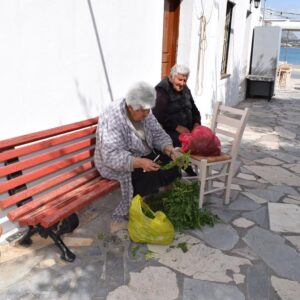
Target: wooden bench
<point>47,176</point>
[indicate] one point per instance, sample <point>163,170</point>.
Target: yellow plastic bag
<point>146,226</point>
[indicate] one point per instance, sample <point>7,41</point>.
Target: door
<point>170,35</point>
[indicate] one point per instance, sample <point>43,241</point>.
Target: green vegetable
<point>148,254</point>
<point>101,236</point>
<point>182,162</point>
<point>181,205</point>
<point>134,250</point>
<point>183,247</point>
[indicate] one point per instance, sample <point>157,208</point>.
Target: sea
<point>291,55</point>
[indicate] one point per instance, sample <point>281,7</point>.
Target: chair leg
<point>228,181</point>
<point>203,171</point>
<point>209,182</point>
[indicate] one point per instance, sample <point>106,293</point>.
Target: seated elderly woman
<point>128,139</point>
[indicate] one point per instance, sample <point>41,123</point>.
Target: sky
<point>291,6</point>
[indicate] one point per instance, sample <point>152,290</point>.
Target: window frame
<point>226,41</point>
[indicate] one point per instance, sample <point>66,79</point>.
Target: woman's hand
<point>181,129</point>
<point>146,164</point>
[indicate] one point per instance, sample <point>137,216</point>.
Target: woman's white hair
<point>141,95</point>
<point>180,69</point>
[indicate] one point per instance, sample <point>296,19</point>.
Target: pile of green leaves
<point>182,162</point>
<point>181,205</point>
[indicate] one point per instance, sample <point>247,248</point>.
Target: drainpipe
<point>100,49</point>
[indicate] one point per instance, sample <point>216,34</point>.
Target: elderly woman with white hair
<point>175,108</point>
<point>129,137</point>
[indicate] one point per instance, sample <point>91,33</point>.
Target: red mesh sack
<point>201,141</point>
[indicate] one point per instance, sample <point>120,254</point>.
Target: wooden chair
<point>228,124</point>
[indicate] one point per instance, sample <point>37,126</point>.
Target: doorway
<point>170,35</point>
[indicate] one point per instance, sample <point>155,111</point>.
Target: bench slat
<point>31,137</point>
<point>43,186</point>
<point>44,157</point>
<point>104,187</point>
<point>18,152</point>
<point>34,217</point>
<point>37,202</point>
<point>23,179</point>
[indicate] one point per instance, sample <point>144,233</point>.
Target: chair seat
<point>221,157</point>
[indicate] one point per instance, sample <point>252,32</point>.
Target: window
<point>227,32</point>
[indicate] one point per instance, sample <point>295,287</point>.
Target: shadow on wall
<point>264,67</point>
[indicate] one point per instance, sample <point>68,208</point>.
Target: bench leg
<point>26,239</point>
<point>66,253</point>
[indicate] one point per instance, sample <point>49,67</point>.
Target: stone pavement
<point>253,254</point>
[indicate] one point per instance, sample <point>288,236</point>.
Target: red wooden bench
<point>47,176</point>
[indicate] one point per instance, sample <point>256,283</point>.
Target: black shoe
<point>189,171</point>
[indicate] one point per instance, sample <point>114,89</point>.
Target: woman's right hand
<point>146,164</point>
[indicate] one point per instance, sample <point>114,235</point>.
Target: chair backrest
<point>228,124</point>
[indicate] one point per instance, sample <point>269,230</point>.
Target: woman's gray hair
<point>141,95</point>
<point>180,69</point>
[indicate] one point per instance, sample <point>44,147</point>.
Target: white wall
<point>205,81</point>
<point>51,70</point>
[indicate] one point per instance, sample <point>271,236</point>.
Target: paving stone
<point>152,283</point>
<point>245,252</point>
<point>284,217</point>
<point>284,260</point>
<point>246,176</point>
<point>285,133</point>
<point>276,175</point>
<point>243,223</point>
<point>248,183</point>
<point>284,156</point>
<point>270,141</point>
<point>263,194</point>
<point>257,282</point>
<point>269,161</point>
<point>200,261</point>
<point>291,201</point>
<point>224,214</point>
<point>220,236</point>
<point>243,203</point>
<point>294,168</point>
<point>284,189</point>
<point>239,278</point>
<point>202,290</point>
<point>259,217</point>
<point>295,240</point>
<point>23,268</point>
<point>255,198</point>
<point>218,184</point>
<point>287,289</point>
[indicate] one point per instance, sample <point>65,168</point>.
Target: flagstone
<point>269,161</point>
<point>218,184</point>
<point>293,167</point>
<point>239,278</point>
<point>246,176</point>
<point>285,133</point>
<point>286,289</point>
<point>255,198</point>
<point>284,156</point>
<point>295,240</point>
<point>291,201</point>
<point>284,217</point>
<point>276,175</point>
<point>281,258</point>
<point>224,214</point>
<point>151,283</point>
<point>242,222</point>
<point>257,282</point>
<point>259,216</point>
<point>220,236</point>
<point>200,261</point>
<point>243,203</point>
<point>284,189</point>
<point>263,194</point>
<point>203,290</point>
<point>270,141</point>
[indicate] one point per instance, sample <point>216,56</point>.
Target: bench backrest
<point>43,162</point>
